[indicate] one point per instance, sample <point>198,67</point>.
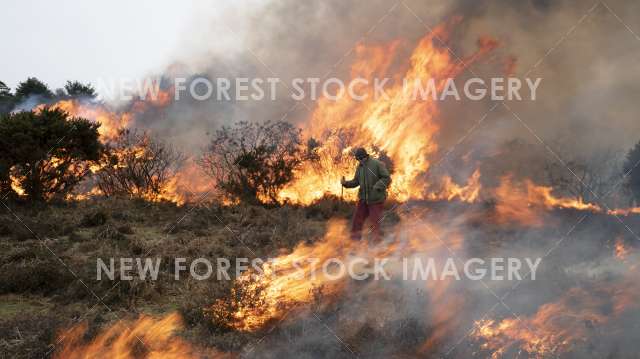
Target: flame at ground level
<point>146,337</point>
<point>553,329</point>
<point>524,202</point>
<point>559,326</point>
<point>262,301</point>
<point>300,277</point>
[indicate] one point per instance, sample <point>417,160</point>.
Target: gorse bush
<point>253,161</point>
<point>45,153</point>
<point>136,164</point>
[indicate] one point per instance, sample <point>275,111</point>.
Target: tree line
<point>40,92</point>
<point>45,154</point>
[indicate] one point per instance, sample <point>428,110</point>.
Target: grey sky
<point>84,40</point>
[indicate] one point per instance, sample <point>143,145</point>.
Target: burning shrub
<point>251,161</point>
<point>244,308</point>
<point>45,153</point>
<point>137,165</point>
<point>591,178</point>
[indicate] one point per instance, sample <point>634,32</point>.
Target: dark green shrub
<point>45,153</point>
<point>252,162</point>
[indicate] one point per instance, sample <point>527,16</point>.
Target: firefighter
<point>373,179</point>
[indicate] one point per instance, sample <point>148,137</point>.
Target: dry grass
<point>39,295</point>
<point>36,287</point>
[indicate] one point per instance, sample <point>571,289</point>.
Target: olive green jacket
<point>373,179</point>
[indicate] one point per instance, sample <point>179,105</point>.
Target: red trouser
<point>374,213</point>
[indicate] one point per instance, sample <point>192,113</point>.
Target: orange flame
<point>51,164</point>
<point>399,123</point>
<point>15,183</point>
<point>291,279</point>
<point>450,190</point>
<point>146,337</point>
<point>110,122</point>
<point>559,326</point>
<point>157,98</point>
<point>186,185</point>
<point>524,202</point>
<point>620,250</point>
<point>624,211</point>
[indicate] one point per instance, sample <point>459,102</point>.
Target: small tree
<point>587,175</point>
<point>252,161</point>
<point>137,165</point>
<point>589,178</point>
<point>45,153</point>
<point>78,89</point>
<point>6,99</point>
<point>4,89</point>
<point>33,87</point>
<point>631,168</point>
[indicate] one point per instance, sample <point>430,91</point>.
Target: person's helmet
<point>360,153</point>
